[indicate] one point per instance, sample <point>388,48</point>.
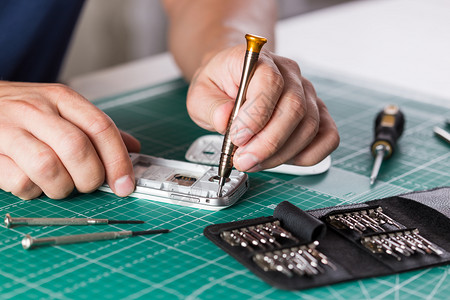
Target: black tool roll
<point>296,249</point>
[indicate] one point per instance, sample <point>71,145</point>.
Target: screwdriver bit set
<point>400,243</point>
<point>265,236</point>
<point>303,260</point>
<point>382,234</point>
<point>296,249</point>
<point>363,220</point>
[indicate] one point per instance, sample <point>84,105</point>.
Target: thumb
<point>208,106</point>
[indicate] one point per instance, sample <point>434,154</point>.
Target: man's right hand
<point>52,139</point>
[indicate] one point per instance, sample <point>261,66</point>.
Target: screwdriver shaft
<point>29,242</point>
<point>10,221</point>
<point>443,134</point>
<point>254,45</point>
<point>380,152</point>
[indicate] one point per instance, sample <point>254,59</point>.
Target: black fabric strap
<point>300,223</point>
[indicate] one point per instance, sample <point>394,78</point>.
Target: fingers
<point>291,127</point>
<point>282,119</point>
<point>265,88</point>
<point>325,142</point>
<point>304,148</point>
<point>105,138</point>
<point>64,140</point>
<point>209,107</point>
<point>54,153</point>
<point>39,162</point>
<point>213,89</point>
<point>132,144</point>
<point>14,180</point>
<point>305,131</point>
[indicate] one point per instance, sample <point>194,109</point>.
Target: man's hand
<point>282,119</point>
<point>52,140</point>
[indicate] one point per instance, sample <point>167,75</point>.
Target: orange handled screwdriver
<point>254,45</point>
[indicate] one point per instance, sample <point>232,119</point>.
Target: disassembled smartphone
<point>183,183</point>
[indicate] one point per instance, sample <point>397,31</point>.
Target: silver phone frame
<point>233,189</point>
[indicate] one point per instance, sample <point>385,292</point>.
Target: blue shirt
<point>34,36</point>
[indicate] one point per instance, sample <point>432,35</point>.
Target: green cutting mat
<point>183,263</point>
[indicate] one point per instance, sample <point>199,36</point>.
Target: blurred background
<point>111,32</point>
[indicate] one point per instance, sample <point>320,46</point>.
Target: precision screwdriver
<point>10,221</point>
<point>254,45</point>
<point>388,127</point>
<point>29,242</point>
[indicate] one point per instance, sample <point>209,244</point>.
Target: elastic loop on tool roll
<point>299,222</point>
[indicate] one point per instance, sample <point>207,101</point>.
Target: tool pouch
<point>296,249</point>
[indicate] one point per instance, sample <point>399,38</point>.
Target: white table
<point>389,44</point>
<point>399,45</point>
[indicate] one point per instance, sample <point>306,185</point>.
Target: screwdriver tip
<point>152,231</point>
<point>125,222</point>
<point>221,184</point>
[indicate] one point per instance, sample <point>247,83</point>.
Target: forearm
<point>201,28</point>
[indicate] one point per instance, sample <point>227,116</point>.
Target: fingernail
<point>242,136</point>
<point>256,168</point>
<point>124,186</point>
<point>246,161</point>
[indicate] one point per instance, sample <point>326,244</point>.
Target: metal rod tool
<point>10,221</point>
<point>254,45</point>
<point>442,133</point>
<point>29,242</point>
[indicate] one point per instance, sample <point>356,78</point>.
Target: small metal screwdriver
<point>442,133</point>
<point>10,221</point>
<point>389,126</point>
<point>29,242</point>
<point>254,45</point>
